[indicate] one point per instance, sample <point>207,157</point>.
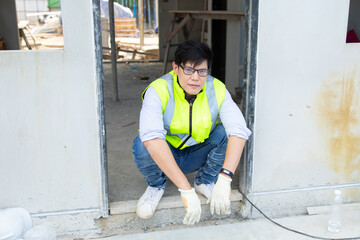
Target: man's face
<point>192,84</point>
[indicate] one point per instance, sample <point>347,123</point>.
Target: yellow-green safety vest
<point>187,123</point>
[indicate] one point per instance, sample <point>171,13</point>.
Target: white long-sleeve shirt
<point>151,123</point>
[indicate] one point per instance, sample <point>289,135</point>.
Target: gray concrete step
<point>170,211</point>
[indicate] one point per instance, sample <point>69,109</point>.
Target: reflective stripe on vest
<point>176,110</point>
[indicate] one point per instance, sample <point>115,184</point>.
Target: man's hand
<point>192,206</point>
<point>220,197</point>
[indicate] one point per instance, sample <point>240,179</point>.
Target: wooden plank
<point>178,27</point>
<point>220,15</point>
<point>123,33</point>
<point>166,202</point>
<point>125,26</point>
<point>120,27</point>
<point>128,20</point>
<point>214,13</point>
<point>141,21</point>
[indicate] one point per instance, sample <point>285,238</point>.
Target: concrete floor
<point>259,229</point>
<point>122,122</point>
<point>125,181</point>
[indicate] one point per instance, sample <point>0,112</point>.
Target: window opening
<point>133,42</point>
<point>31,25</point>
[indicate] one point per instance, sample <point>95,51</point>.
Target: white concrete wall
<point>49,149</point>
<point>307,117</point>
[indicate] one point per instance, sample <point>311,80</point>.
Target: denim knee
<point>154,176</point>
<point>218,135</point>
<point>140,153</point>
<point>215,158</point>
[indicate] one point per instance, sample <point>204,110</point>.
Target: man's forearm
<point>234,150</point>
<point>220,197</point>
<point>162,155</point>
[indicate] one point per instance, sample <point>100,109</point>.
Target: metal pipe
<point>141,21</point>
<point>149,13</point>
<point>134,9</point>
<point>25,10</point>
<point>113,51</point>
<point>156,14</point>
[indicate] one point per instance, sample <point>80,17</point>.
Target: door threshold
<point>123,207</point>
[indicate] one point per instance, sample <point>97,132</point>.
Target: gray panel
<point>8,24</point>
<point>307,115</point>
<point>53,158</point>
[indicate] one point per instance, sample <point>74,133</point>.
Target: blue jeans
<point>207,158</point>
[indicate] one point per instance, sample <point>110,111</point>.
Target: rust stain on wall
<point>339,121</point>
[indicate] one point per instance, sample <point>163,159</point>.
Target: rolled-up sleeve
<point>232,118</point>
<point>151,123</point>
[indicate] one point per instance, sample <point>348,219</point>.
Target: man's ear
<point>175,68</point>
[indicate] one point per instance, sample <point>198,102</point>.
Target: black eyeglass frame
<point>194,70</point>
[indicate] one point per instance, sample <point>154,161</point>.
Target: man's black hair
<point>193,52</point>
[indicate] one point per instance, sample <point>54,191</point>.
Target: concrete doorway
<point>126,183</point>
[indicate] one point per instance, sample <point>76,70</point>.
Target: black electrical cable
<point>292,230</point>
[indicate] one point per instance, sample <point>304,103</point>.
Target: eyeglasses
<point>191,71</point>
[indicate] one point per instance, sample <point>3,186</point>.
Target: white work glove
<point>220,197</point>
<point>192,206</point>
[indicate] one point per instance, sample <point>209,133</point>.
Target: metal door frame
<point>246,164</point>
<point>101,108</point>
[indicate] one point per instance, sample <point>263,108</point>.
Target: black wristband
<point>226,172</point>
